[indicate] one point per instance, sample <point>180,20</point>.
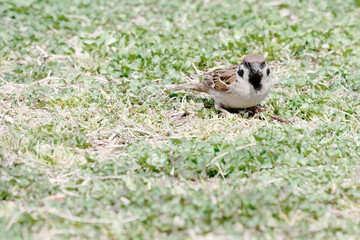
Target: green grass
<point>92,148</point>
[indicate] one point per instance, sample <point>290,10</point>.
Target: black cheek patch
<point>241,73</point>
<point>268,71</point>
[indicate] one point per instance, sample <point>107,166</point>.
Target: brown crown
<point>253,58</point>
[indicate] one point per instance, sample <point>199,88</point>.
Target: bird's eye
<point>241,73</point>
<point>263,64</point>
<point>268,71</point>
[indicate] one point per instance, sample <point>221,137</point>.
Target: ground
<point>92,147</point>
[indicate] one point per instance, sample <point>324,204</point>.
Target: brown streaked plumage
<point>220,80</point>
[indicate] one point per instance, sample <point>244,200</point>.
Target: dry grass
<point>92,147</point>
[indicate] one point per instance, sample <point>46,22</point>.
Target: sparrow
<point>239,86</point>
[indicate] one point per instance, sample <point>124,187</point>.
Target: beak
<point>255,68</point>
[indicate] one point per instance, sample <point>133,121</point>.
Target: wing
<point>220,80</point>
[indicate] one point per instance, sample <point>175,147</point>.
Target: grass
<point>91,147</point>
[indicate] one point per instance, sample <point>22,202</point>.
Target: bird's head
<point>254,69</point>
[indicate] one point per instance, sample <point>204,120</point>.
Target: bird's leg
<point>256,109</point>
<point>219,107</point>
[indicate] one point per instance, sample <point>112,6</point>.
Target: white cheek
<point>246,74</point>
<point>264,72</point>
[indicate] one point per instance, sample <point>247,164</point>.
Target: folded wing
<point>220,80</point>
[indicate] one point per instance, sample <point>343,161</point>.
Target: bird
<point>239,86</point>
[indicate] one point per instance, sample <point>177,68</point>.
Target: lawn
<point>91,147</point>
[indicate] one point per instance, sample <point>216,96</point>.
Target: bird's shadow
<point>210,104</point>
<point>242,112</point>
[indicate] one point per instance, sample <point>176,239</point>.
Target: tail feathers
<point>199,87</point>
